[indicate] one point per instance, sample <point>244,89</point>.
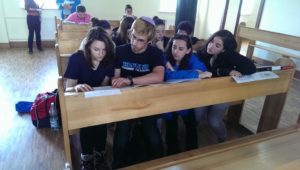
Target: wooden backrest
<point>75,27</point>
<point>58,23</point>
<point>282,40</point>
<point>62,60</point>
<point>169,33</point>
<point>171,27</point>
<point>68,35</point>
<point>69,46</point>
<point>114,23</point>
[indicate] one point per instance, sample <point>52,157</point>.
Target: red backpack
<point>40,109</point>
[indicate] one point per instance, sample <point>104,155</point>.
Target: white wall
<point>283,17</point>
<point>13,25</point>
<point>250,19</point>
<point>3,31</point>
<point>231,17</point>
<point>208,18</point>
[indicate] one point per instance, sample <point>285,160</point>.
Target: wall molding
<point>4,45</point>
<point>23,44</point>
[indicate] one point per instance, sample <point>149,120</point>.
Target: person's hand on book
<point>205,74</point>
<point>235,73</point>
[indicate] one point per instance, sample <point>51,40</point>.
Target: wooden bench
<point>252,35</point>
<point>169,33</point>
<point>78,112</point>
<point>64,49</point>
<point>114,23</point>
<point>275,149</point>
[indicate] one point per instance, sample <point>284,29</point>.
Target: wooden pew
<point>169,33</point>
<point>252,35</point>
<point>114,23</point>
<point>71,35</point>
<point>75,27</point>
<point>276,149</point>
<point>64,49</point>
<point>78,112</point>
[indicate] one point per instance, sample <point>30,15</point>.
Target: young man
<point>79,17</point>
<point>186,28</point>
<point>138,64</point>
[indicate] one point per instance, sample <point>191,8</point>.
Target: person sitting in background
<point>221,59</point>
<point>121,37</point>
<point>187,28</point>
<point>128,12</point>
<point>79,17</point>
<point>181,64</point>
<point>160,40</point>
<point>98,23</point>
<point>67,7</point>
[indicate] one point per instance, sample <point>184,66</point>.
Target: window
<point>44,4</point>
<point>247,7</point>
<point>168,5</point>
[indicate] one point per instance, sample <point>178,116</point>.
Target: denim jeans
<point>34,26</point>
<point>213,115</point>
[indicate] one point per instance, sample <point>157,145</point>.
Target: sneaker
<point>100,161</point>
<point>40,49</point>
<point>87,162</point>
<point>30,52</point>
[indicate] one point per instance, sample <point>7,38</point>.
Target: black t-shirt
<point>137,65</point>
<point>79,70</point>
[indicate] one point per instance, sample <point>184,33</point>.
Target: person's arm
<point>105,82</point>
<point>242,66</point>
<point>196,64</point>
<point>156,76</point>
<point>117,73</point>
<point>71,19</point>
<point>72,86</point>
<point>181,74</point>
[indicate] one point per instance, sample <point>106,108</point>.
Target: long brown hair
<point>98,33</point>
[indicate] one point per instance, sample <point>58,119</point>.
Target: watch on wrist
<point>131,80</point>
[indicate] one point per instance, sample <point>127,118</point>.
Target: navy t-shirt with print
<point>79,70</point>
<point>136,65</point>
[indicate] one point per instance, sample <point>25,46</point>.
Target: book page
<point>264,75</point>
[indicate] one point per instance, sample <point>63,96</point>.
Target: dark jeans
<point>151,137</point>
<point>34,26</point>
<point>172,132</point>
<point>93,138</point>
